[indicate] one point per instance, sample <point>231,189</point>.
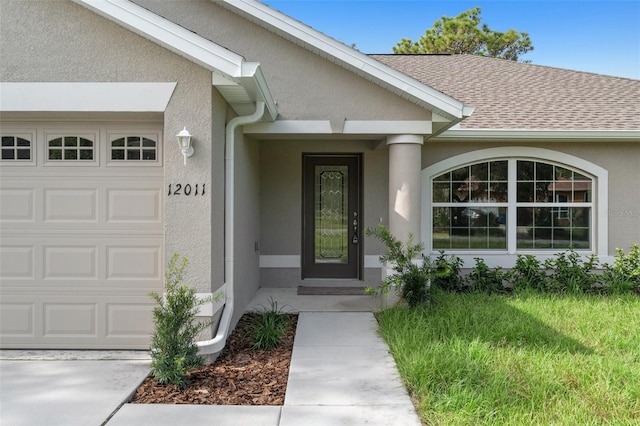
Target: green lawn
<point>530,359</point>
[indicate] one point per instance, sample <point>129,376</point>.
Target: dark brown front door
<point>331,234</point>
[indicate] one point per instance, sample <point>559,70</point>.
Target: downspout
<point>215,345</point>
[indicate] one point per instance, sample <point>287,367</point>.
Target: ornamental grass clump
<point>267,328</point>
<point>174,351</point>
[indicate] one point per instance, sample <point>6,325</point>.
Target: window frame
<point>76,133</point>
<point>598,203</point>
<point>141,133</point>
<point>22,134</point>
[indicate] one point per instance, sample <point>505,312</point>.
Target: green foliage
<point>569,272</point>
<point>267,328</point>
<point>173,344</point>
<point>409,279</point>
<point>464,35</point>
<point>482,279</point>
<point>445,273</point>
<point>527,273</point>
<point>624,274</point>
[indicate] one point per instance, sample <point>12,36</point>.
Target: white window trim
<point>93,136</point>
<point>144,133</point>
<point>600,203</point>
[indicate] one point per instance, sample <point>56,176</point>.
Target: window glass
<point>133,148</point>
<point>471,205</point>
<point>70,148</point>
<point>15,148</point>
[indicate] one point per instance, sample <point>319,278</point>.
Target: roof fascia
<point>565,135</point>
<point>349,58</point>
<point>229,65</point>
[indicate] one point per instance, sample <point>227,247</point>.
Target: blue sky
<point>586,35</point>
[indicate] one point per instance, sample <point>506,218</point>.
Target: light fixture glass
<point>184,141</point>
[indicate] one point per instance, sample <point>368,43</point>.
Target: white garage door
<point>81,218</point>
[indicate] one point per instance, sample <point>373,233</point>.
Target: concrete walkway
<point>341,374</point>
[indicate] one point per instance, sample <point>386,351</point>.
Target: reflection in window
<point>552,213</point>
<point>470,207</point>
<point>70,148</point>
<point>552,205</point>
<point>133,148</point>
<point>16,148</point>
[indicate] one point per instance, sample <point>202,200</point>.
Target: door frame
<point>309,268</point>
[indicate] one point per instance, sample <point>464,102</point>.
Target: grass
<point>528,359</point>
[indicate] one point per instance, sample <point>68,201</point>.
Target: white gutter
<point>215,345</point>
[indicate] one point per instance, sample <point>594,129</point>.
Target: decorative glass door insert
<point>331,208</point>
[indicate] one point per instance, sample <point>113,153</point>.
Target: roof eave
<point>220,61</point>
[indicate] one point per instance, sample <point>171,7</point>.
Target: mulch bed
<point>240,375</point>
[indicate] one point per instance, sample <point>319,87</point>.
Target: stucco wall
<point>305,85</point>
<point>58,41</point>
<point>247,221</point>
<point>621,160</point>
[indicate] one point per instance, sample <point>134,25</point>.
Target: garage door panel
<point>17,262</point>
<point>80,322</point>
<point>70,320</point>
<point>17,319</point>
<point>70,205</point>
<point>70,263</point>
<point>17,205</point>
<point>130,262</point>
<point>134,206</point>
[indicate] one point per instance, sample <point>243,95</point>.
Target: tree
<point>463,34</point>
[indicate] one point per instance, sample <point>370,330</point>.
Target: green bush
<point>267,327</point>
<point>173,344</point>
<point>624,275</point>
<point>568,272</point>
<point>409,279</point>
<point>527,273</point>
<point>445,272</point>
<point>482,279</point>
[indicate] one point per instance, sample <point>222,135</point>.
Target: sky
<point>586,35</point>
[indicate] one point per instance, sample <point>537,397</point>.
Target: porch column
<point>404,185</point>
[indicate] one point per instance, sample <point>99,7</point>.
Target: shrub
<point>527,273</point>
<point>267,327</point>
<point>624,275</point>
<point>445,272</point>
<point>173,344</point>
<point>482,279</point>
<point>410,280</point>
<point>568,272</point>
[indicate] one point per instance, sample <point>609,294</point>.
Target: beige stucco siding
<point>305,85</point>
<point>59,41</point>
<point>620,159</point>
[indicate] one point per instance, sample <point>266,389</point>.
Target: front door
<point>331,235</point>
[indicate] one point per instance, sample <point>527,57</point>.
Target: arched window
<point>513,200</point>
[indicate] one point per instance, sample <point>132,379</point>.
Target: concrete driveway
<point>51,388</point>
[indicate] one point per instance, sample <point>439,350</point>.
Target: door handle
<point>354,239</point>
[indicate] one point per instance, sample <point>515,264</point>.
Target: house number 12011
<point>187,189</point>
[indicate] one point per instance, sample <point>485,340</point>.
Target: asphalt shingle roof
<point>519,96</point>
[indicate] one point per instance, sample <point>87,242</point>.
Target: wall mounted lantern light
<point>184,140</point>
